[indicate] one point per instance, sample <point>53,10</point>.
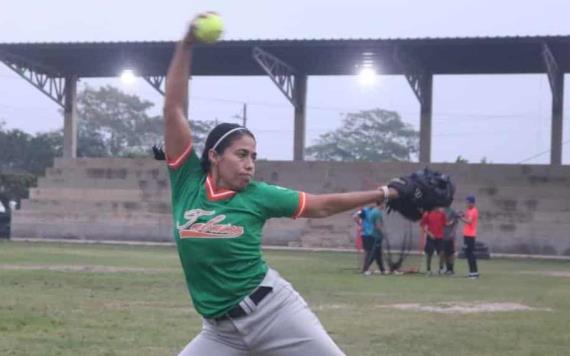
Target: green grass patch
<point>70,299</point>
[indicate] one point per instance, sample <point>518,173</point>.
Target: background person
<point>358,245</point>
<point>449,233</point>
<point>433,224</point>
<point>373,226</point>
<point>470,220</point>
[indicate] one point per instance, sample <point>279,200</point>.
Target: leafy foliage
<point>200,131</point>
<point>111,124</point>
<point>371,135</point>
<point>461,159</point>
<point>21,152</point>
<point>15,186</point>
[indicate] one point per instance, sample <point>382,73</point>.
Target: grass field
<point>69,299</point>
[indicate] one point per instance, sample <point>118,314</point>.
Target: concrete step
<point>546,238</point>
<point>39,217</point>
<point>120,173</point>
<point>508,191</point>
<point>88,183</point>
<point>108,162</point>
<point>98,194</point>
<point>113,207</point>
<point>554,217</point>
<point>87,230</point>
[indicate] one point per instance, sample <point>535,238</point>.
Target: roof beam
<point>421,82</point>
<point>293,84</point>
<point>281,73</point>
<point>47,80</point>
<point>415,73</point>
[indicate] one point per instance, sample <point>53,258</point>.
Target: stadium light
<point>128,77</point>
<point>367,76</point>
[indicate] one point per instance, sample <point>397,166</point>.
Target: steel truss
<point>156,81</point>
<point>47,80</point>
<point>281,73</point>
<point>418,77</point>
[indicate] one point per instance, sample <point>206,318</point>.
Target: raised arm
<point>177,134</point>
<point>323,205</point>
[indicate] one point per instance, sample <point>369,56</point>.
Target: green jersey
<point>218,233</point>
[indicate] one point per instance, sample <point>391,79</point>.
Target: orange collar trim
<point>213,193</point>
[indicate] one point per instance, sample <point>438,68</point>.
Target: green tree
<point>113,123</point>
<point>89,144</point>
<point>118,124</point>
<point>461,159</point>
<point>200,130</point>
<point>372,135</point>
<point>21,152</point>
<point>15,186</point>
<point>22,158</point>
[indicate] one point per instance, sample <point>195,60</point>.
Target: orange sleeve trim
<point>176,163</point>
<point>302,205</point>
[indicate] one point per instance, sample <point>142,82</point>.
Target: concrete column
<point>426,118</point>
<point>300,117</point>
<point>70,118</point>
<point>557,120</point>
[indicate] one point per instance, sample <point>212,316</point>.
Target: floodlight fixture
<point>128,77</point>
<point>367,76</point>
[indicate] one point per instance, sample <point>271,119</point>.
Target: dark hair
<point>213,137</point>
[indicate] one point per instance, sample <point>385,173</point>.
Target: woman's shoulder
<point>266,190</point>
<point>261,185</point>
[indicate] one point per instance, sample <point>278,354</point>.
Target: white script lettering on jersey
<point>211,229</point>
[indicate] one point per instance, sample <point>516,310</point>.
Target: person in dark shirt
<point>449,232</point>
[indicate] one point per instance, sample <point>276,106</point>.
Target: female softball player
<point>219,212</point>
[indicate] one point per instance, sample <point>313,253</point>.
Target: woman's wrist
<point>187,43</point>
<point>189,39</point>
<point>387,193</point>
<point>392,193</point>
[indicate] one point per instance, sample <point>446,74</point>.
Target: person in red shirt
<point>470,219</point>
<point>433,224</point>
<point>358,239</point>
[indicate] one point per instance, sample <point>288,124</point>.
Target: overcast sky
<point>503,118</point>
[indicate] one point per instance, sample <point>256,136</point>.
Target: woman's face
<point>235,167</point>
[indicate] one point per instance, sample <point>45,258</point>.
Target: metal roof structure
<point>480,55</point>
<point>54,68</point>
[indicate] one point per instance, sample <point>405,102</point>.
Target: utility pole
<point>243,115</point>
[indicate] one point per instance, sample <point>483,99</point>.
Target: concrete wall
<point>523,209</point>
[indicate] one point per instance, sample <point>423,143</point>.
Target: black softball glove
<point>419,192</point>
